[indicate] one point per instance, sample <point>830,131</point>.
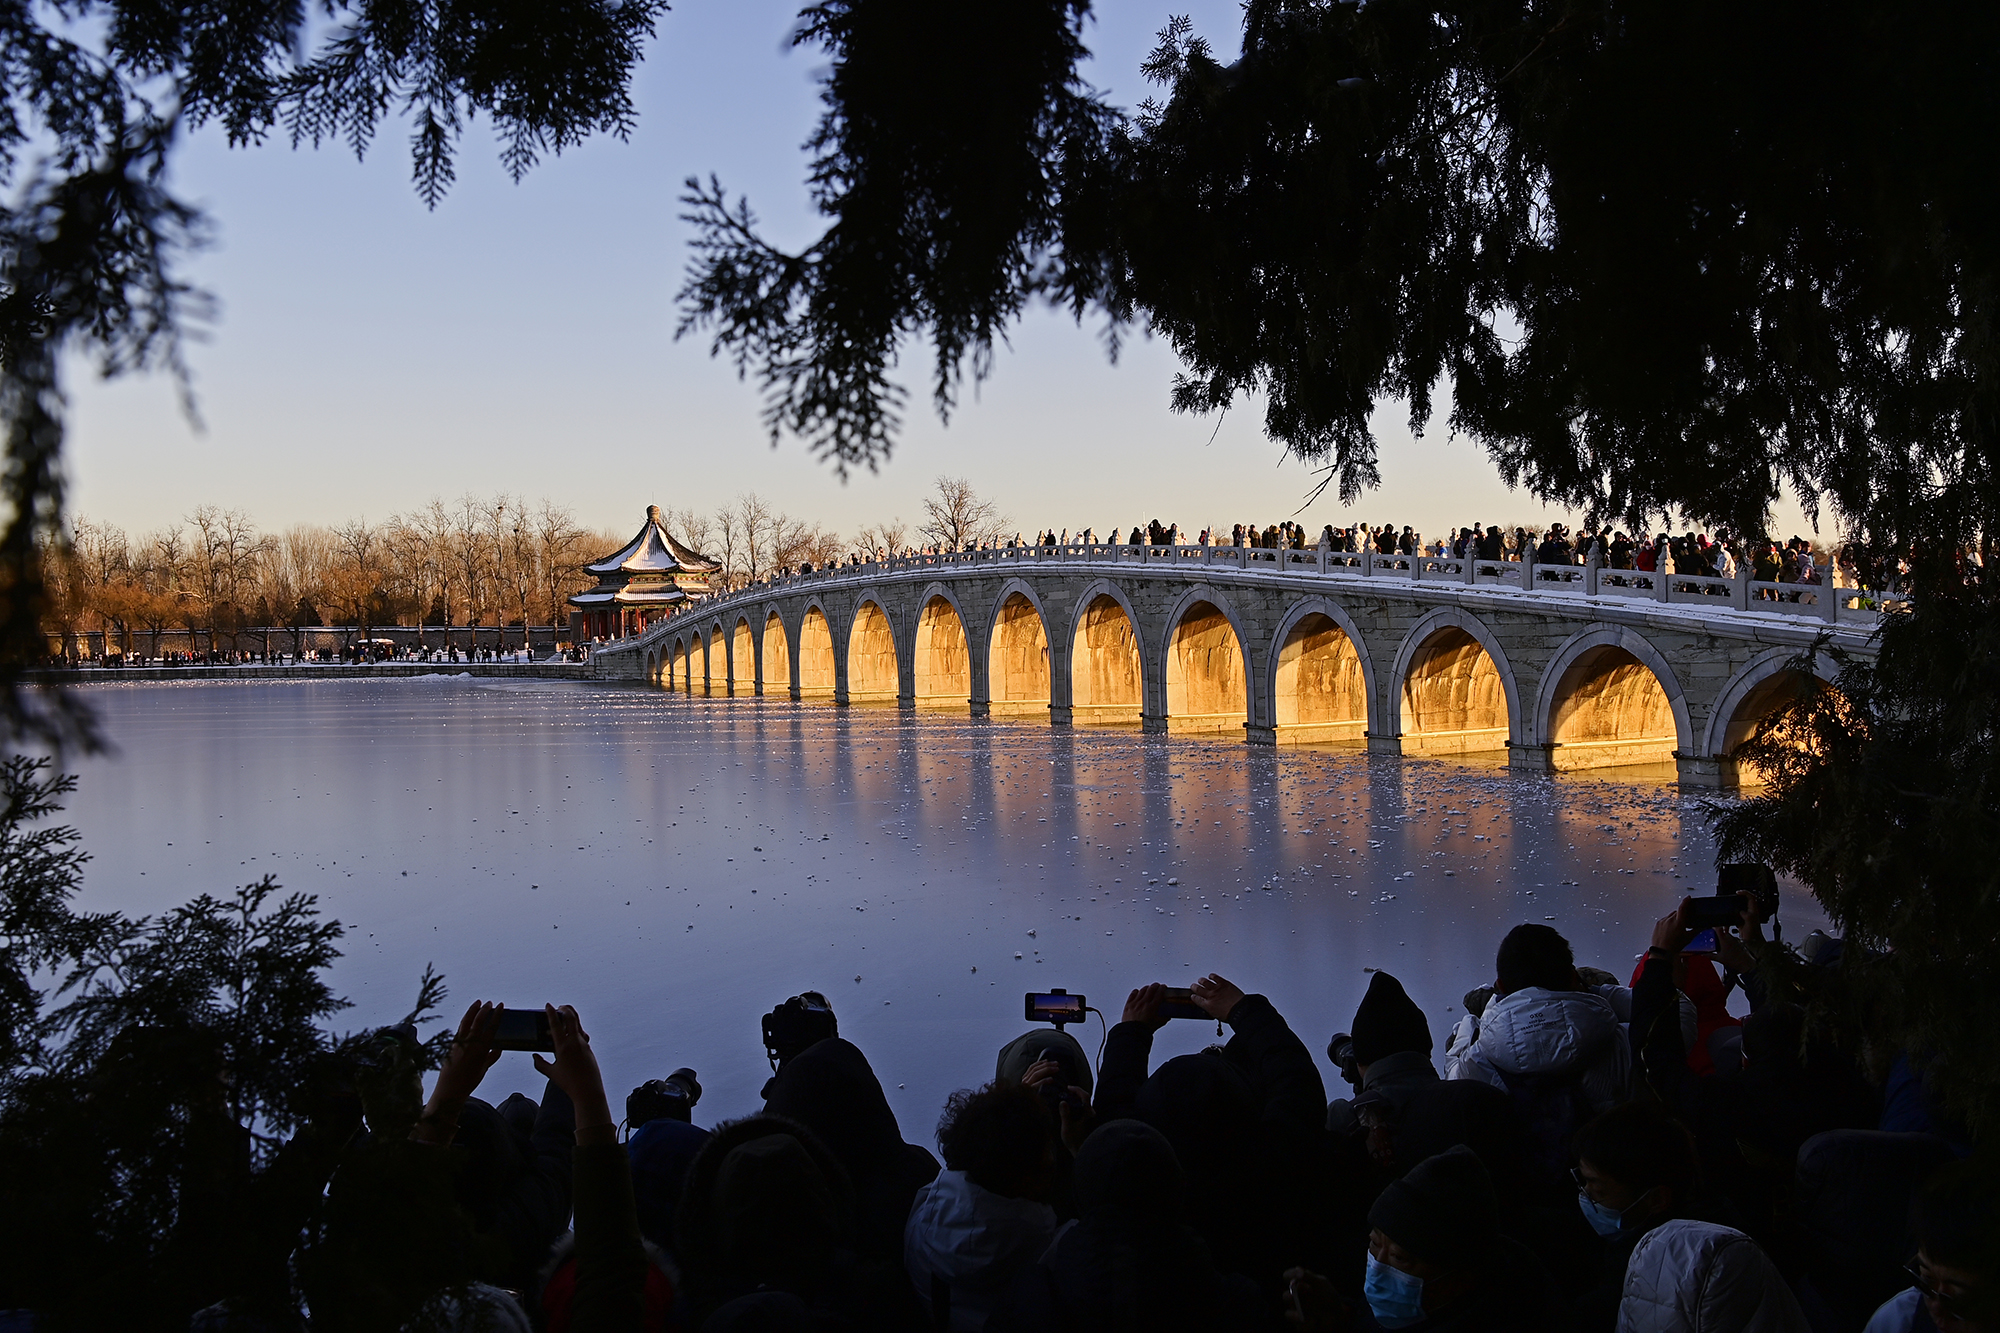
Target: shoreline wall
<point>315,671</point>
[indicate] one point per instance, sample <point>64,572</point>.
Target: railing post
<point>1468,565</point>
<point>1739,587</point>
<point>1527,571</point>
<point>1417,567</point>
<point>1367,560</point>
<point>1829,605</point>
<point>1663,584</point>
<point>1590,578</point>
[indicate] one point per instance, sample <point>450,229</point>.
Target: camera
<point>1749,877</point>
<point>669,1098</point>
<point>799,1022</point>
<point>1725,909</point>
<point>1341,1051</point>
<point>1180,1004</point>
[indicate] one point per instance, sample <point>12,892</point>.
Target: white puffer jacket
<point>974,1239</point>
<point>1544,1032</point>
<point>1696,1277</point>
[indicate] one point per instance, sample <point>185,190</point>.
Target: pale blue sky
<point>370,354</point>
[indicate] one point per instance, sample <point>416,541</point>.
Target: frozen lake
<point>674,866</point>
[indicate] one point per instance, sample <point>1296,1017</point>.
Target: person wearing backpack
<point>1554,1044</point>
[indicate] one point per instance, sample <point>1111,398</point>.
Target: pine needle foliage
<point>1883,797</point>
<point>1665,257</point>
<point>172,1100</point>
<point>961,160</point>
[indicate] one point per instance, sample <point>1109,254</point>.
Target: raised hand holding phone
<point>575,1071</point>
<point>472,1053</point>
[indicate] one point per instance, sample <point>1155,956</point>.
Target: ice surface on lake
<point>675,866</point>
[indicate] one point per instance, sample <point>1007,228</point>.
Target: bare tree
<point>499,520</point>
<point>888,538</point>
<point>956,516</point>
<point>519,563</point>
<point>308,551</point>
<point>795,541</point>
<point>689,528</point>
<point>167,550</point>
<point>241,550</point>
<point>559,543</point>
<point>756,521</point>
<point>355,572</point>
<point>100,557</point>
<point>411,571</point>
<point>727,536</point>
<point>469,553</point>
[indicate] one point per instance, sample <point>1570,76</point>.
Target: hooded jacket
<point>1696,1277</point>
<point>1539,1033</point>
<point>973,1241</point>
<point>766,1207</point>
<point>830,1089</point>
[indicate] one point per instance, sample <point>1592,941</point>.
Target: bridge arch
<point>816,673</point>
<point>1322,678</point>
<point>1452,690</point>
<point>1107,657</point>
<point>1019,665</point>
<point>775,664</point>
<point>742,658</point>
<point>941,654</point>
<point>652,668</point>
<point>677,665</point>
<point>1608,698</point>
<point>871,653</point>
<point>1206,665</point>
<point>718,660</point>
<point>1764,684</point>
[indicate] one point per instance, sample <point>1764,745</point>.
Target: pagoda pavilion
<point>644,580</point>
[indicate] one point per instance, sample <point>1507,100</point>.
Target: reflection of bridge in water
<point>1561,667</point>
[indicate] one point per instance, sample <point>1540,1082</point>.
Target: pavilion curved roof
<point>653,550</point>
<point>652,596</point>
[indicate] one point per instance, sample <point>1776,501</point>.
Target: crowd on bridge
<point>1693,554</point>
<point>1594,1152</point>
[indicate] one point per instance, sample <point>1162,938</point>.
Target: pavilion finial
<point>653,513</point>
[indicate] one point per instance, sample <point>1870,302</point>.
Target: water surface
<point>675,866</point>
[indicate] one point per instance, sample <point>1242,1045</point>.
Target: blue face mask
<point>1604,1221</point>
<point>1396,1298</point>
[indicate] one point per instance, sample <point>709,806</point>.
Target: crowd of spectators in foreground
<point>1589,1156</point>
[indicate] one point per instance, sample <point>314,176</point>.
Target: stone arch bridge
<point>1561,667</point>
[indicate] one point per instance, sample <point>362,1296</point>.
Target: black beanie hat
<point>1388,1021</point>
<point>1442,1210</point>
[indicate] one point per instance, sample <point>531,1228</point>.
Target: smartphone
<point>1721,910</point>
<point>1056,1006</point>
<point>1180,1004</point>
<point>1702,943</point>
<point>524,1030</point>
